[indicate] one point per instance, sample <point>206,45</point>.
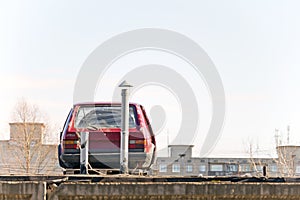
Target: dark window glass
<point>104,116</point>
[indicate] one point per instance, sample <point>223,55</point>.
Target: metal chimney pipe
<point>124,127</point>
<point>84,152</point>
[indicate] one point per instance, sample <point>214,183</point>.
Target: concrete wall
<point>179,150</point>
<point>151,190</point>
<point>95,191</point>
<point>13,190</point>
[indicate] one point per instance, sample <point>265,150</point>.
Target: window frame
<point>202,167</point>
<point>163,168</point>
<point>175,168</point>
<point>213,168</point>
<point>189,168</point>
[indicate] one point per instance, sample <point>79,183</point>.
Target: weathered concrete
<point>22,190</point>
<point>204,190</point>
<point>130,187</point>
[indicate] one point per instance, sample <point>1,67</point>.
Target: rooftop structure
<point>26,153</point>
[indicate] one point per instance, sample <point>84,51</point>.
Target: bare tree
<point>286,155</point>
<point>255,163</point>
<point>30,155</point>
<point>285,160</point>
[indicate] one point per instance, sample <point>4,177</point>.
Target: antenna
<point>168,143</point>
<point>288,134</point>
<point>276,137</point>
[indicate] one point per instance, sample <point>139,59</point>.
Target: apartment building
<point>181,162</point>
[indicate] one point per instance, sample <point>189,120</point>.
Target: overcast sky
<point>255,46</point>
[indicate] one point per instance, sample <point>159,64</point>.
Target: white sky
<point>254,44</point>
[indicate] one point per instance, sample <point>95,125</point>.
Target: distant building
<point>288,160</point>
<point>27,143</point>
<point>181,162</point>
<point>26,153</point>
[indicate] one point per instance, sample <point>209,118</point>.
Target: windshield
<point>104,116</point>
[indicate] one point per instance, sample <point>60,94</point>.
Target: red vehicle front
<point>103,122</point>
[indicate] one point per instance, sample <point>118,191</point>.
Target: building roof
<point>28,123</point>
<point>180,145</point>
